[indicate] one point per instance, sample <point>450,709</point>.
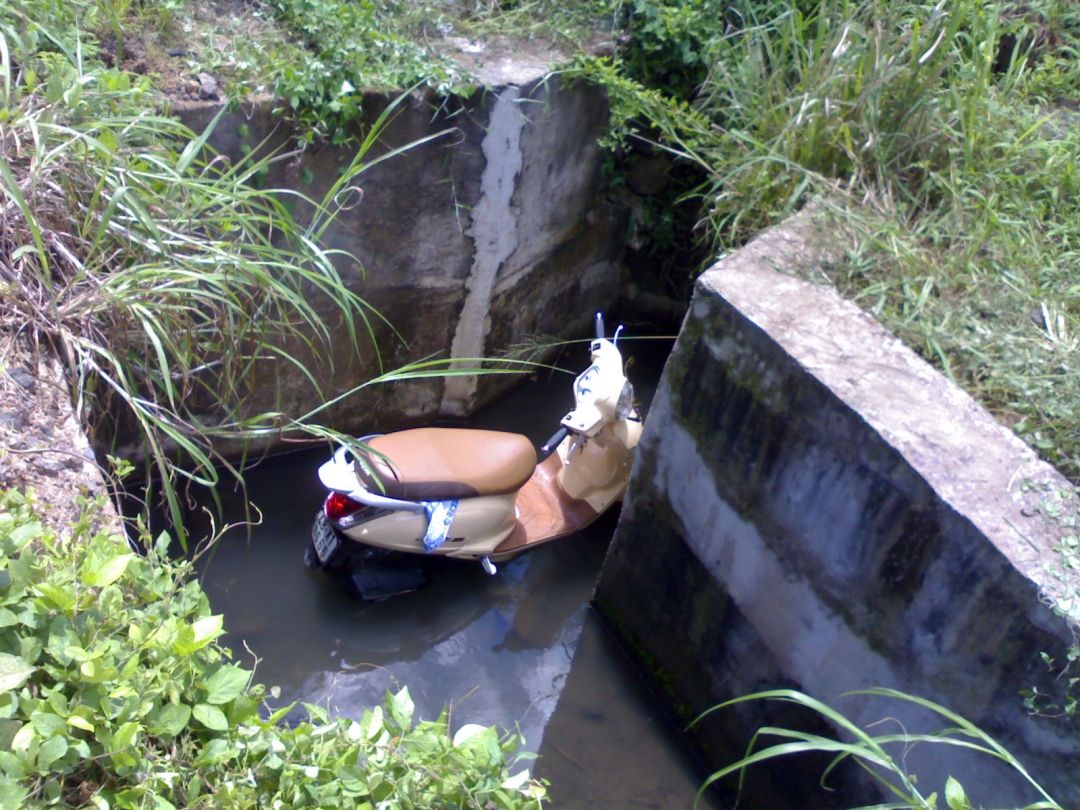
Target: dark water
<point>520,649</point>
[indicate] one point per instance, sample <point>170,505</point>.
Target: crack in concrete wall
<point>494,234</point>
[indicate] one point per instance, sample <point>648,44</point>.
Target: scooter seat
<point>440,464</point>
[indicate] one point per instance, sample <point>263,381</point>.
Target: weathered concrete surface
<point>815,507</point>
<point>471,243</point>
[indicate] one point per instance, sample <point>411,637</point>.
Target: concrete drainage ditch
<point>813,505</point>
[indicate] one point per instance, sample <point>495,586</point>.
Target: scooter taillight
<point>338,506</point>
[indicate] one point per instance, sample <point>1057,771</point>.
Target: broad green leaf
<point>25,533</point>
<point>76,653</point>
<point>214,752</point>
<point>172,719</point>
<point>210,716</point>
<point>373,723</point>
<point>8,730</point>
<point>80,722</point>
<point>207,629</point>
<point>955,796</point>
<point>51,750</point>
<point>14,672</point>
<point>279,714</point>
<point>226,684</point>
<point>243,710</point>
<point>98,572</point>
<point>97,672</point>
<point>467,732</point>
<point>46,724</point>
<point>57,596</point>
<point>7,618</point>
<point>126,736</point>
<point>13,797</point>
<point>516,781</point>
<point>107,138</point>
<point>316,713</point>
<point>401,708</point>
<point>161,545</point>
<point>25,739</point>
<point>184,642</point>
<point>353,780</point>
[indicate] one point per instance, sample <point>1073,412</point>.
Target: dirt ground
<point>207,35</point>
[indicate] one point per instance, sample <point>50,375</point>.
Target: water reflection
<point>518,649</point>
<point>608,744</point>
<point>498,649</point>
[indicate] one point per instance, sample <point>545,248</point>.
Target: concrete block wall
<point>815,507</point>
<point>489,233</point>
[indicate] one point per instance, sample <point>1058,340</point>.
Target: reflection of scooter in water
<point>559,581</point>
<point>475,494</point>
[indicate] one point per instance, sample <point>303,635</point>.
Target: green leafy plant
<point>115,693</point>
<point>880,755</point>
<point>348,47</point>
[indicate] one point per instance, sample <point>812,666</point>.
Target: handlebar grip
<point>555,440</point>
<point>599,326</point>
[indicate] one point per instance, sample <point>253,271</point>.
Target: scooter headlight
<point>626,401</point>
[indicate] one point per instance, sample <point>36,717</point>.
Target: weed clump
<point>117,693</point>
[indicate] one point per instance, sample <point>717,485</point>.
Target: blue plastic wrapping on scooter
<point>439,514</point>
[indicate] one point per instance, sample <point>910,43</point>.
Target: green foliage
<point>1061,509</point>
<point>882,756</point>
<point>160,272</point>
<point>50,25</point>
<point>352,46</point>
<point>115,692</point>
<point>350,51</point>
<point>669,43</point>
<point>930,131</point>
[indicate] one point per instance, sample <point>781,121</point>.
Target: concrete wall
<point>481,239</point>
<point>815,507</point>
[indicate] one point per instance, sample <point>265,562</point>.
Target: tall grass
<point>156,269</point>
<point>882,756</point>
<point>942,136</point>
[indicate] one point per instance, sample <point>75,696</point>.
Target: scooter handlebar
<point>555,440</point>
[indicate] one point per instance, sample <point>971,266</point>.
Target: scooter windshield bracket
<point>579,442</point>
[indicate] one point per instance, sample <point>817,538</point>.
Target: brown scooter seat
<point>441,464</point>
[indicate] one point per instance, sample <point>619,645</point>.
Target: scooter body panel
<point>479,525</point>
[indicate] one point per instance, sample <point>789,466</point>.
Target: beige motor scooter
<point>475,494</point>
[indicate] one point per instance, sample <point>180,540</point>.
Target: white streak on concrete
<point>494,233</point>
<point>810,643</point>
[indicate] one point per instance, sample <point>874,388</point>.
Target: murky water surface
<point>517,649</point>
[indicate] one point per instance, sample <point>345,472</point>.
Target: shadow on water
<point>517,649</point>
